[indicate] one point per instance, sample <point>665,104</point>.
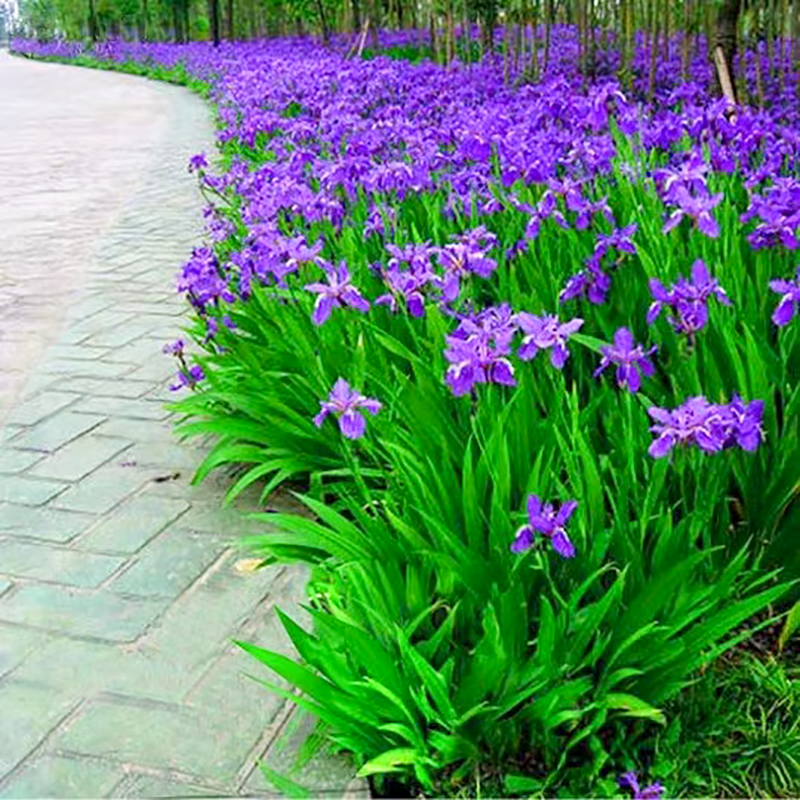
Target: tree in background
<point>445,28</point>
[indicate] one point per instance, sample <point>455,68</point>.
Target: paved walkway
<point>119,592</point>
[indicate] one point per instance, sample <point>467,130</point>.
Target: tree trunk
<point>229,20</point>
<point>213,13</point>
<point>725,46</point>
<point>326,34</point>
<point>92,22</point>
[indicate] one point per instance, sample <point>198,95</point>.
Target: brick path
<point>119,593</point>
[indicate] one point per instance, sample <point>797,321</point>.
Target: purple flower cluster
<point>688,299</point>
<point>632,360</point>
<point>345,403</point>
<point>550,522</point>
<point>479,348</point>
<point>336,293</point>
<point>778,212</point>
<point>790,299</point>
<point>628,780</point>
<point>709,426</point>
<point>686,188</point>
<point>407,274</point>
<point>592,282</point>
<point>546,333</point>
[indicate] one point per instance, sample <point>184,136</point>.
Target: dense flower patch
<point>518,560</point>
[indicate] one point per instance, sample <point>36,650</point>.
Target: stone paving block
<point>157,370</point>
<point>16,644</point>
<point>78,458</point>
<point>29,714</point>
<point>326,774</point>
<point>36,408</point>
<point>76,352</point>
<point>210,614</point>
<point>87,307</point>
<point>126,409</point>
<point>101,321</point>
<point>14,461</point>
<point>168,564</point>
<point>210,518</point>
<point>137,352</point>
<point>93,668</point>
<point>150,786</point>
<point>29,491</point>
<point>61,777</point>
<point>228,685</point>
<point>202,743</point>
<point>95,368</point>
<point>21,559</point>
<point>46,523</point>
<point>97,387</point>
<point>168,455</point>
<point>96,615</point>
<point>9,431</point>
<point>116,337</point>
<point>136,430</point>
<point>105,488</point>
<point>133,524</point>
<point>55,431</point>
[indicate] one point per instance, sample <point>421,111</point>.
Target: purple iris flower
<point>544,209</point>
<point>789,302</point>
<point>591,282</point>
<point>198,162</point>
<point>631,359</point>
<point>711,427</point>
<point>629,781</point>
<point>548,521</point>
<point>478,350</point>
<point>688,299</point>
<point>546,332</point>
<point>344,402</point>
<point>620,238</point>
<point>405,284</point>
<point>337,292</point>
<point>696,207</point>
<point>466,255</point>
<point>744,423</point>
<point>188,377</point>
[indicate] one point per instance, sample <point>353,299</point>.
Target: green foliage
<point>435,654</point>
<point>737,733</point>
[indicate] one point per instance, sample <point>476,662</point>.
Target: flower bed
<point>530,353</point>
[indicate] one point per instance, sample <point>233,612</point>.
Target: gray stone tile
<point>96,387</point>
<point>326,774</point>
<point>49,524</point>
<point>95,615</point>
<point>29,714</point>
<point>206,743</point>
<point>123,409</point>
<point>105,488</point>
<point>28,491</point>
<point>149,786</point>
<point>54,776</point>
<point>55,431</point>
<point>46,562</point>
<point>40,406</point>
<point>16,644</point>
<point>78,458</point>
<point>14,461</point>
<point>168,564</point>
<point>133,524</point>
